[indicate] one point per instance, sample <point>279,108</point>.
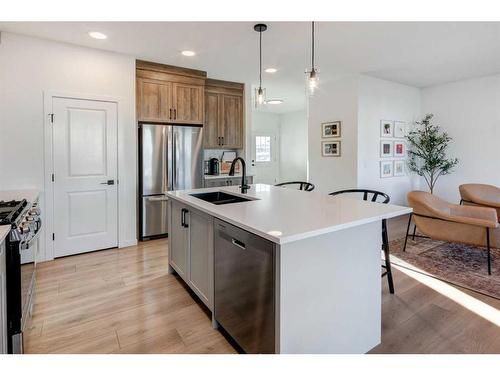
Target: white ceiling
<point>414,53</point>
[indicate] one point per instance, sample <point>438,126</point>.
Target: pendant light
<point>260,93</point>
<point>312,76</point>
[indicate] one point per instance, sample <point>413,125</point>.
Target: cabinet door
<point>155,100</point>
<point>212,120</point>
<point>3,302</point>
<point>178,240</point>
<point>188,103</point>
<point>201,255</point>
<point>231,125</point>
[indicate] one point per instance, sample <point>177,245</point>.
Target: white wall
<point>383,100</point>
<point>469,111</point>
<point>293,146</point>
<point>336,100</point>
<point>28,67</point>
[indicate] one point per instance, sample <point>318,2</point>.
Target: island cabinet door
<point>201,255</point>
<point>178,239</point>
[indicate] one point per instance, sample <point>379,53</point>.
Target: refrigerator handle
<point>170,169</point>
<point>164,151</point>
<point>174,160</point>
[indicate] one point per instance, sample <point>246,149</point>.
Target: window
<point>262,148</point>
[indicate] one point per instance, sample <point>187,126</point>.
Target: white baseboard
<point>127,243</point>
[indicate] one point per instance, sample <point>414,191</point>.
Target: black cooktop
<point>9,211</point>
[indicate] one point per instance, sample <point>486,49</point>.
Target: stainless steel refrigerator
<point>170,158</point>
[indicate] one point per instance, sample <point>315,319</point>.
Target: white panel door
<point>85,168</point>
<point>265,158</point>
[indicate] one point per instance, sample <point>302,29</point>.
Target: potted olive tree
<point>427,151</point>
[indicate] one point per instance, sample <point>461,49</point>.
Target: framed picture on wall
<point>399,168</point>
<point>399,148</point>
<point>386,128</point>
<point>400,129</point>
<point>386,150</point>
<point>386,169</point>
<point>330,148</point>
<point>331,129</point>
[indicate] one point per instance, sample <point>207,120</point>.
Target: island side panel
<point>330,292</point>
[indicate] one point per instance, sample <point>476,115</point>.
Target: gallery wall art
<point>393,146</point>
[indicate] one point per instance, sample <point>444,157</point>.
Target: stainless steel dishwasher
<point>245,287</point>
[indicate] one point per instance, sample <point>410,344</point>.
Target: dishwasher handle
<point>239,244</point>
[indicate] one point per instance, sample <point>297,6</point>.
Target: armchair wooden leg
<point>407,231</point>
<point>385,246</point>
<point>489,249</point>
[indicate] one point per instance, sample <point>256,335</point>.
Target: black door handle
<point>109,182</point>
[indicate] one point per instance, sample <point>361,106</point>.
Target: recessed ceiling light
<point>188,53</point>
<point>274,101</point>
<point>271,70</point>
<point>97,35</point>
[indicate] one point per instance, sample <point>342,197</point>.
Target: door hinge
<point>51,117</point>
<point>53,236</point>
<point>53,177</point>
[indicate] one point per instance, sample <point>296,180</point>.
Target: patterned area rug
<point>459,264</point>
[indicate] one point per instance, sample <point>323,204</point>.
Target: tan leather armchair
<point>440,220</point>
<point>480,195</point>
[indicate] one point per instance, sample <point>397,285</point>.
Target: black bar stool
<point>377,196</point>
<point>306,186</point>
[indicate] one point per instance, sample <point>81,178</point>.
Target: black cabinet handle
<point>183,218</point>
<point>170,113</point>
<point>175,113</point>
<point>222,144</point>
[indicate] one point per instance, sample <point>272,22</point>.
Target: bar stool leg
<point>385,247</point>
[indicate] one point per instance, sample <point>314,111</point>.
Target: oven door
<point>14,294</point>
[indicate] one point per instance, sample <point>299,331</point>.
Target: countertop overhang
<point>284,215</point>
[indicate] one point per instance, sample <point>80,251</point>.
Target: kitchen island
<point>284,271</point>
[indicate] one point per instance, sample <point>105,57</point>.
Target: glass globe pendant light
<point>312,75</point>
<point>260,93</point>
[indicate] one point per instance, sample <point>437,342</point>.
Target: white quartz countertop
<point>29,195</point>
<point>285,215</point>
<point>216,176</point>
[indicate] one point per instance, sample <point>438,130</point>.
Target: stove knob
<point>24,228</point>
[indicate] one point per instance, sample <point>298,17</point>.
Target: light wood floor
<point>123,301</point>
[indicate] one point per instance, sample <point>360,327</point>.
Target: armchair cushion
<point>481,194</point>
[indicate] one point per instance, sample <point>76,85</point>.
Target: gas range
<point>23,218</point>
<point>20,256</point>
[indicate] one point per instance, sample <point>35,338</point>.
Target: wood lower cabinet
<point>169,94</point>
<point>224,114</point>
<point>191,249</point>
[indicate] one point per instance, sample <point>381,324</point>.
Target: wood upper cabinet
<point>169,94</point>
<point>155,100</point>
<point>212,116</point>
<point>224,114</point>
<point>231,121</point>
<point>188,103</point>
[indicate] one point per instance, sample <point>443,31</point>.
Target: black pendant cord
<point>260,59</point>
<point>312,54</point>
